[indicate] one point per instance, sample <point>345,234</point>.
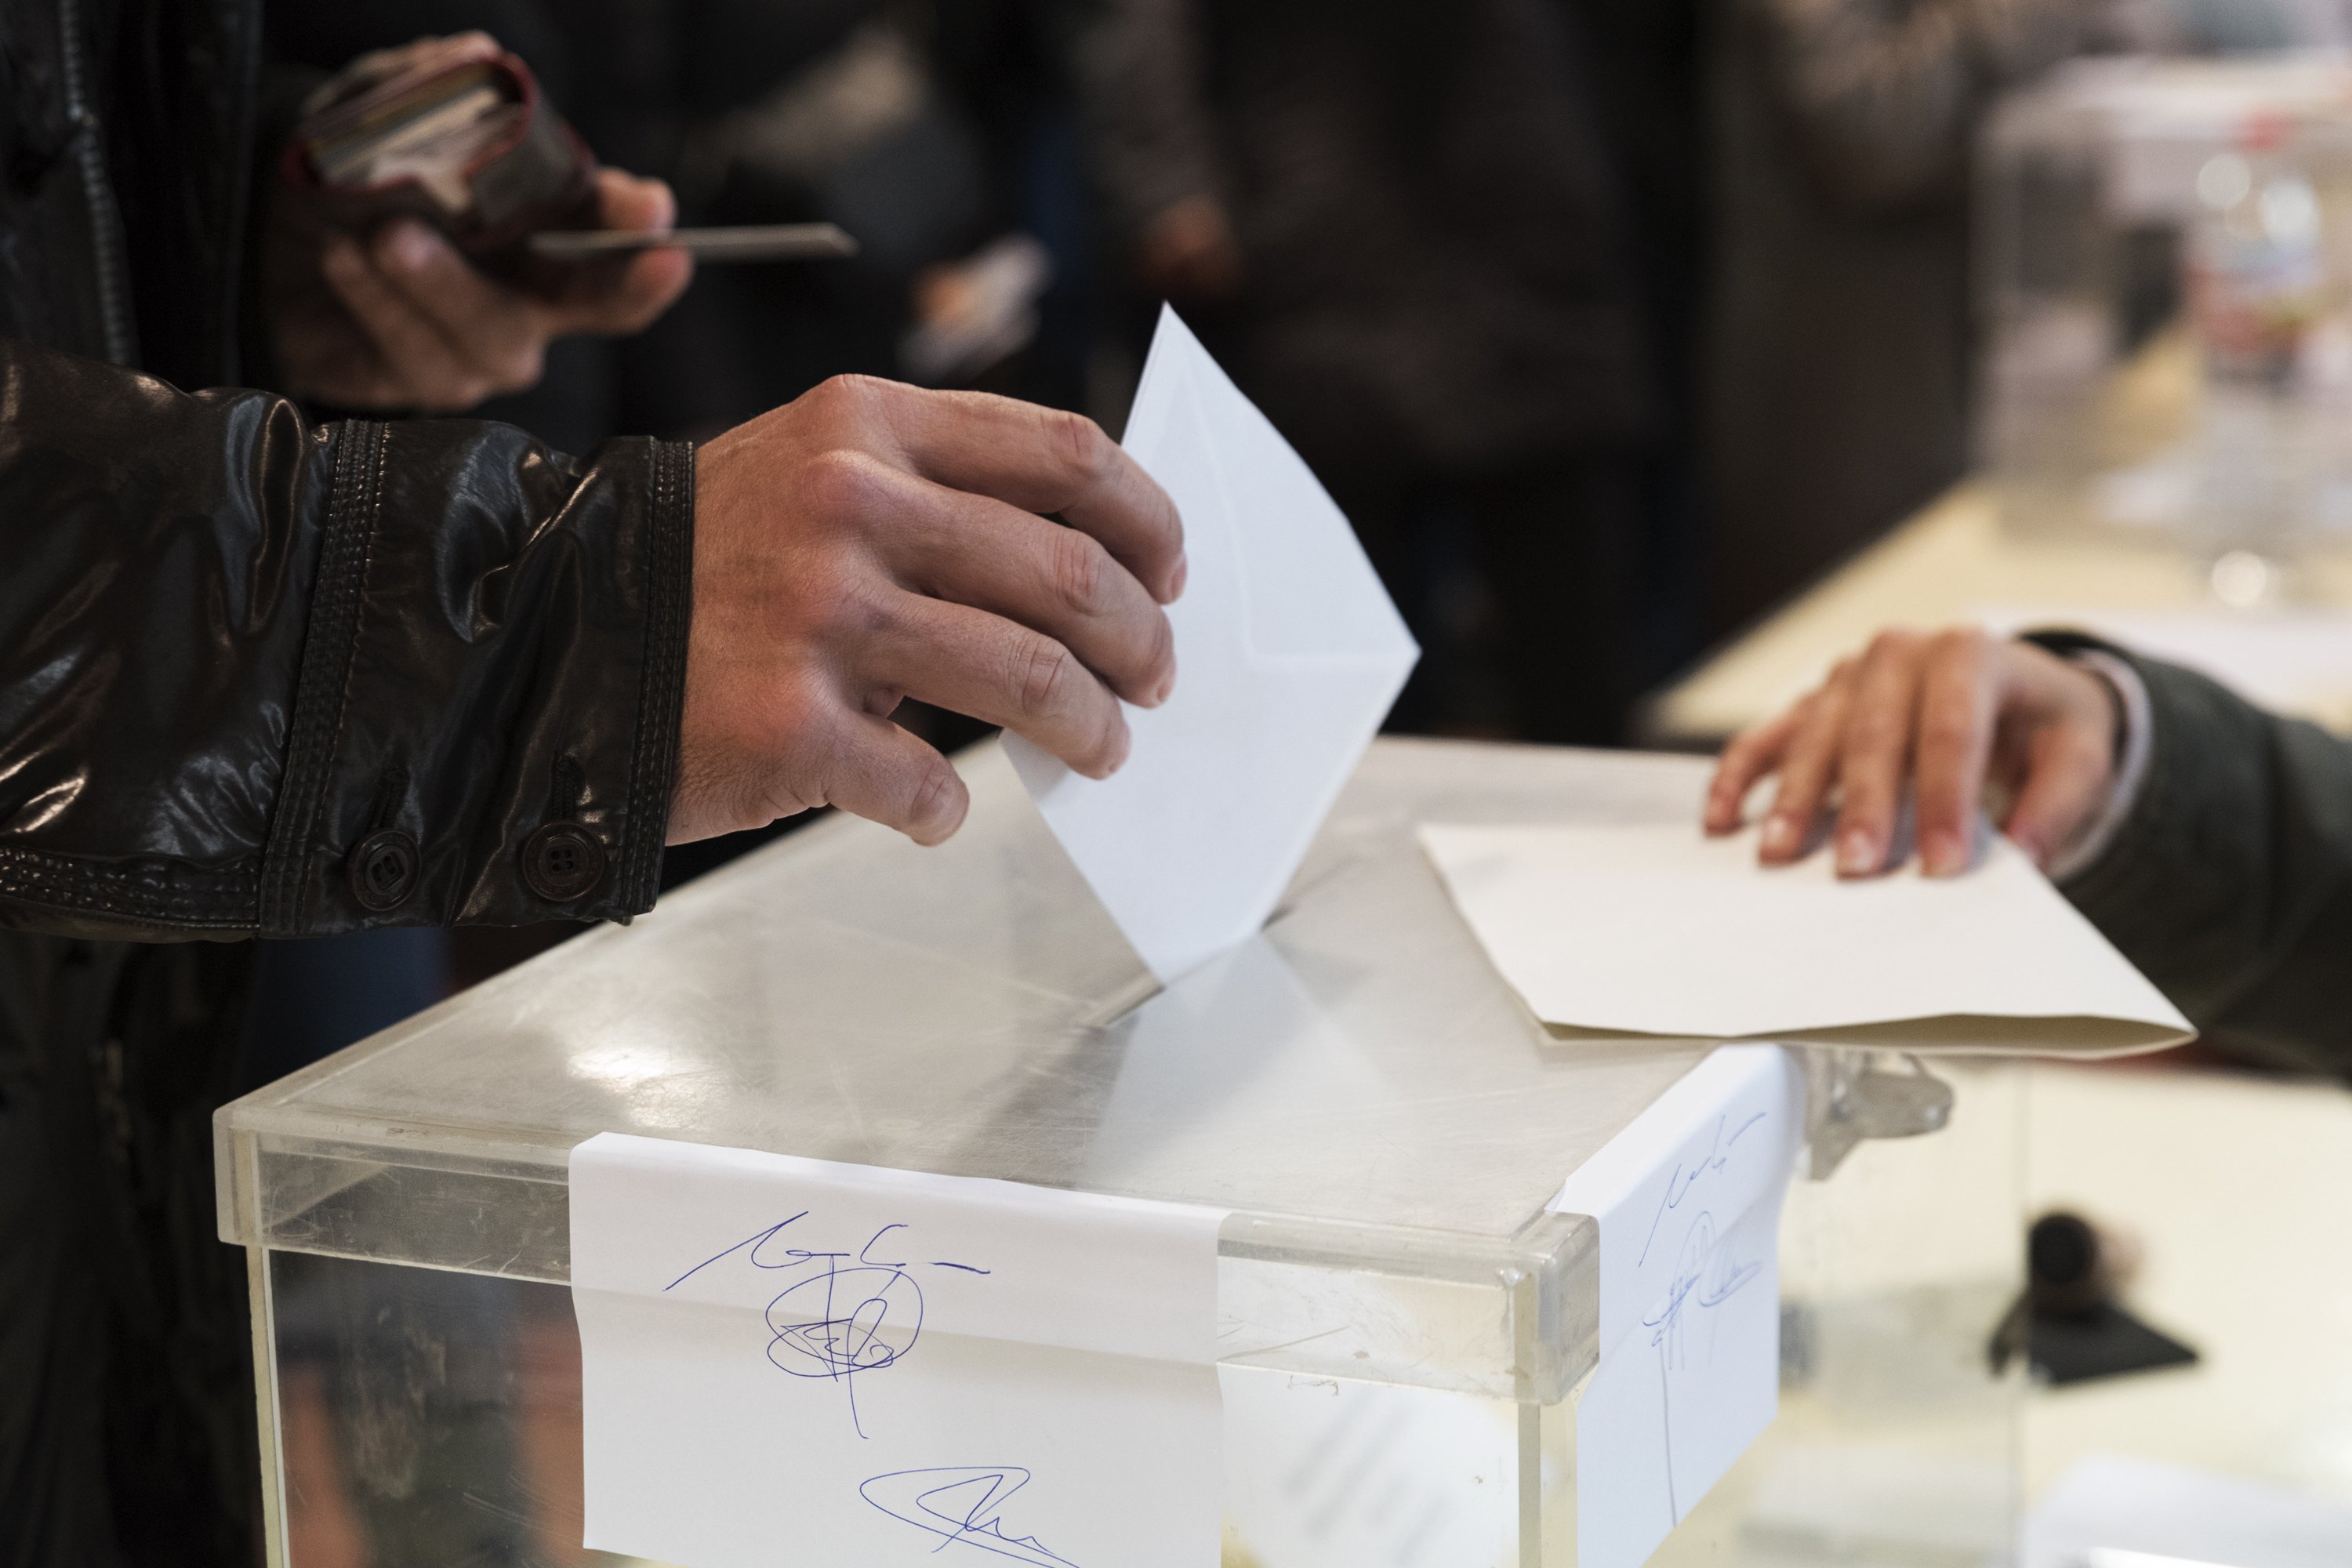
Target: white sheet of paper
<point>790,1359</point>
<point>2120,1506</point>
<point>1288,653</point>
<point>1688,1201</point>
<point>1659,930</point>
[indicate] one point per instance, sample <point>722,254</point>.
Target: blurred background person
<point>1838,343</point>
<point>932,133</point>
<point>1840,346</point>
<point>1407,232</point>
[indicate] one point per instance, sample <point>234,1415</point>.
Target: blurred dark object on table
<point>2069,1323</point>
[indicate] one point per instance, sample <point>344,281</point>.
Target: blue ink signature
<point>841,1317</point>
<point>1706,1275</point>
<point>1682,1179</point>
<point>962,1506</point>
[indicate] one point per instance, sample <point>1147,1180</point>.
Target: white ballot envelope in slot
<point>1288,653</point>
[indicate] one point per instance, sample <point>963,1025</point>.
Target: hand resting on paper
<point>870,541</point>
<point>1956,716</point>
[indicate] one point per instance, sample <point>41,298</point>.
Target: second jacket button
<point>562,861</point>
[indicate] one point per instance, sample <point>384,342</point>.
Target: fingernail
<point>1176,583</point>
<point>1941,853</point>
<point>1858,852</point>
<point>1119,751</point>
<point>1780,835</point>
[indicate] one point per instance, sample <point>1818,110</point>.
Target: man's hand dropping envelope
<point>1288,655</point>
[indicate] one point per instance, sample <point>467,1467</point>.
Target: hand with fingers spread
<point>1946,715</point>
<point>406,321</point>
<point>871,541</point>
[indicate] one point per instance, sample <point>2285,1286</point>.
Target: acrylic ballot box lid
<point>1355,1084</point>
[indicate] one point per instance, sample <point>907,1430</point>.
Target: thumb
<point>2066,782</point>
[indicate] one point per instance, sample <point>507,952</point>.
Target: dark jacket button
<point>562,861</point>
<point>382,870</point>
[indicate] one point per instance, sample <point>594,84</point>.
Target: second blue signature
<point>964,1506</point>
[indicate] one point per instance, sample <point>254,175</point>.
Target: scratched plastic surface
<point>1356,1083</point>
<point>426,1416</point>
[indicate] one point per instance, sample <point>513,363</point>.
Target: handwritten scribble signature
<point>846,1313</point>
<point>1707,1274</point>
<point>1683,1178</point>
<point>962,1505</point>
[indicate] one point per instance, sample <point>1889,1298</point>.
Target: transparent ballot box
<point>2165,270</point>
<point>1409,1328</point>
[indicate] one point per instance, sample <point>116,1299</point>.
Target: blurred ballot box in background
<point>2162,435</point>
<point>2166,251</point>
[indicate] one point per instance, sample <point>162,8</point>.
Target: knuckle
<point>1873,725</point>
<point>840,484</point>
<point>1080,570</point>
<point>932,794</point>
<point>521,371</point>
<point>1086,450</point>
<point>851,398</point>
<point>1946,728</point>
<point>1043,674</point>
<point>851,608</point>
<point>767,738</point>
<point>1960,644</point>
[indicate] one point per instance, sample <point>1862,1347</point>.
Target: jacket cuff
<point>2167,888</point>
<point>485,725</point>
<point>2127,697</point>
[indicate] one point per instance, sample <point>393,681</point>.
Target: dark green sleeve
<point>2229,884</point>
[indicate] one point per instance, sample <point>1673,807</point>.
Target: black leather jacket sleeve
<point>258,675</point>
<point>2230,881</point>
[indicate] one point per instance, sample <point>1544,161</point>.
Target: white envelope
<point>1288,653</point>
<point>1659,930</point>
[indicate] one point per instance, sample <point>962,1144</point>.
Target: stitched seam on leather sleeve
<point>327,654</point>
<point>155,892</point>
<point>669,577</point>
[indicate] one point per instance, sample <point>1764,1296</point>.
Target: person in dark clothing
<point>1838,343</point>
<point>2211,842</point>
<point>1400,227</point>
<point>263,674</point>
